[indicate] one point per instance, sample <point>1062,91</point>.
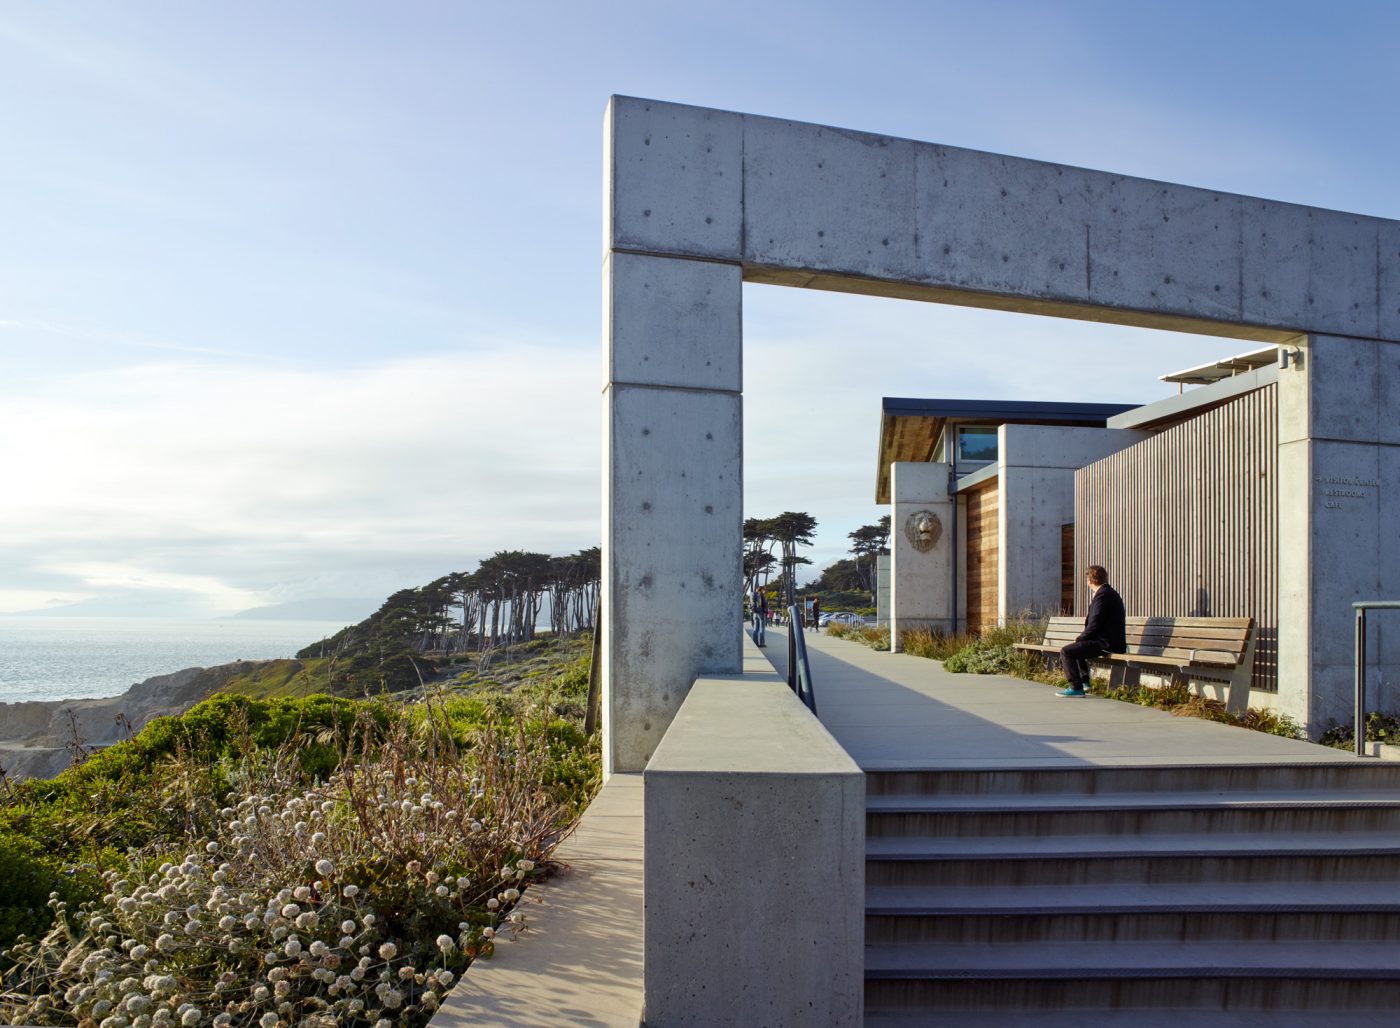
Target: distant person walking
<point>760,617</point>
<point>817,614</point>
<point>1105,631</point>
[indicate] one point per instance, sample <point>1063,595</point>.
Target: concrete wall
<point>755,864</point>
<point>782,202</point>
<point>1037,469</point>
<point>1339,524</point>
<point>921,584</point>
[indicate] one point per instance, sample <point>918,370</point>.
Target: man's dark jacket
<point>1106,622</point>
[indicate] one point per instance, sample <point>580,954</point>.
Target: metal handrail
<point>799,669</point>
<point>1361,608</point>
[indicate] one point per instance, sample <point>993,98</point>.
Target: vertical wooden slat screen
<point>1069,574</point>
<point>982,557</point>
<point>1187,522</point>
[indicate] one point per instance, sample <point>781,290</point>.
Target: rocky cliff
<point>36,737</point>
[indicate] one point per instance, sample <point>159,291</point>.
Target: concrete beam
<point>920,220</point>
<point>755,864</point>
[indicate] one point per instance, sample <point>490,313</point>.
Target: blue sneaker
<point>1071,691</point>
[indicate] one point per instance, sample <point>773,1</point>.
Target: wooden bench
<point>1184,649</point>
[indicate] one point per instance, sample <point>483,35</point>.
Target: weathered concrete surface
<point>1035,498</point>
<point>886,215</point>
<point>755,857</point>
<point>672,510</point>
<point>579,963</point>
<point>1339,507</point>
<point>921,584</point>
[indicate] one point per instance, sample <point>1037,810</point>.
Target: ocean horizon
<point>72,658</point>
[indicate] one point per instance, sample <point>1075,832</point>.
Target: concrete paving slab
<point>892,710</point>
<point>580,961</point>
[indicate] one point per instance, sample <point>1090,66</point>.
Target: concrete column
<point>1036,497</point>
<point>673,500</point>
<point>1339,523</point>
<point>922,593</point>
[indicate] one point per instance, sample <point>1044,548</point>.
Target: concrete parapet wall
<point>755,863</point>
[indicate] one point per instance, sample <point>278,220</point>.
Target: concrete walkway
<point>891,711</point>
<point>579,964</point>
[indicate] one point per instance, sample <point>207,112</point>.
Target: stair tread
<point>1127,959</point>
<point>1120,1017</point>
<point>914,803</point>
<point>1088,847</point>
<point>1133,897</point>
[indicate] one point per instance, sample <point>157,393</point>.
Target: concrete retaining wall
<point>755,864</point>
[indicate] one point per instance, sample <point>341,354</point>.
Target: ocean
<point>63,658</point>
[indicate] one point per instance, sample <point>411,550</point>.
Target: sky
<point>303,300</point>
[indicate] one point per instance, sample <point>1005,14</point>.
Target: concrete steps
<point>1223,892</point>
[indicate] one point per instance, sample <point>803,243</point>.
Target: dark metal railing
<point>799,670</point>
<point>1361,608</point>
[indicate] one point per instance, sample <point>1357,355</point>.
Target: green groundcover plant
<point>286,862</point>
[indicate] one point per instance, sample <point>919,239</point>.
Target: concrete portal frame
<point>698,201</point>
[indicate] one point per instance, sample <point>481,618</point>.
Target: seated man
<point>1105,631</point>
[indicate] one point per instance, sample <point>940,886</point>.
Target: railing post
<point>1360,680</point>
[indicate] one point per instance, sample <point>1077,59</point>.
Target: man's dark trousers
<point>1075,658</point>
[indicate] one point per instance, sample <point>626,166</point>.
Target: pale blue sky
<point>303,299</point>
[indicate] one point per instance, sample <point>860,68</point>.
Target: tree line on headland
<point>498,605</point>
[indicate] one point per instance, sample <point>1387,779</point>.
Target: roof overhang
<point>1204,374</point>
<point>909,428</point>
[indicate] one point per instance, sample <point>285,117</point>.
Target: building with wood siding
<point>1178,499</point>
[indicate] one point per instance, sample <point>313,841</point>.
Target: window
<point>977,444</point>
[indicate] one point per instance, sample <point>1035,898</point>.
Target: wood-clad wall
<point>1187,522</point>
<point>982,557</point>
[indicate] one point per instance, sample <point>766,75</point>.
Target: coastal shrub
<point>1380,727</point>
<point>353,899</point>
<point>981,659</point>
<point>869,635</point>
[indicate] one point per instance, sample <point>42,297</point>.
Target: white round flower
<point>442,891</point>
<point>445,977</point>
<point>325,867</point>
<point>351,891</point>
<point>493,903</point>
<point>527,865</point>
<point>445,943</point>
<point>166,943</point>
<point>319,949</point>
<point>512,895</point>
<point>388,951</point>
<point>488,933</point>
<point>291,910</point>
<point>292,948</point>
<point>190,1017</point>
<point>227,923</point>
<point>302,893</point>
<point>269,1020</point>
<point>347,927</point>
<point>211,847</point>
<point>128,905</point>
<point>139,952</point>
<point>319,839</point>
